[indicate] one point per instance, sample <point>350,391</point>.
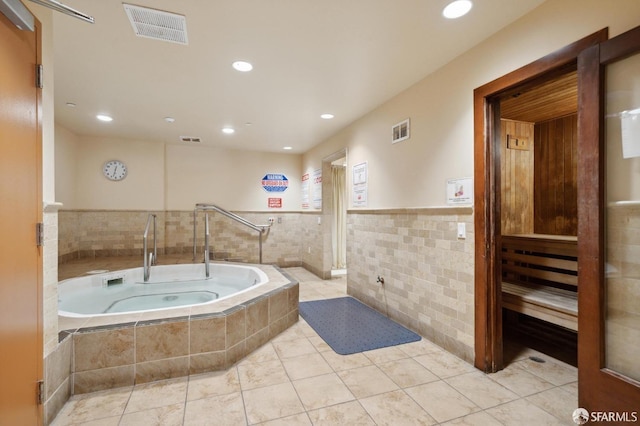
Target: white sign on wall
<point>460,191</point>
<point>360,189</point>
<point>316,181</point>
<point>304,188</point>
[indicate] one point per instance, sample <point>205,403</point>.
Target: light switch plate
<point>462,230</point>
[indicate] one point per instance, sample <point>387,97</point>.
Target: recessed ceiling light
<point>103,117</point>
<point>287,148</point>
<point>228,130</point>
<point>169,119</point>
<point>242,66</point>
<point>327,116</point>
<point>457,9</point>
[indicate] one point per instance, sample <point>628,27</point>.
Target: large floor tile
<point>306,366</point>
<point>157,394</point>
<point>213,384</point>
<point>443,364</point>
<point>520,381</point>
<point>322,391</point>
<point>481,390</point>
<point>367,381</point>
<point>217,410</point>
<point>396,408</point>
<point>520,412</point>
<point>93,406</point>
<point>262,374</point>
<point>407,372</point>
<point>271,402</point>
<point>348,413</point>
<point>168,415</point>
<point>441,401</point>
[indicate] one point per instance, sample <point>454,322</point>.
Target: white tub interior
<point>169,286</point>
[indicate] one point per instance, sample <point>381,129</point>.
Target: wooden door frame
<point>488,299</point>
<point>622,393</point>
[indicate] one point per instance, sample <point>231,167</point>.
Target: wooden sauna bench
<point>540,277</point>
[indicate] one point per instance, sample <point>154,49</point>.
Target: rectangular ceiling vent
<point>190,139</point>
<point>157,24</point>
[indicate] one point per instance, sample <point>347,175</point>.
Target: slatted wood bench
<point>540,277</point>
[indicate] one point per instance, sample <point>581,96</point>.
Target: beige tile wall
<point>427,270</point>
<point>50,280</point>
<point>90,234</point>
<point>57,380</point>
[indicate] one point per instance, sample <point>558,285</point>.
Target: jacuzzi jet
<point>169,298</point>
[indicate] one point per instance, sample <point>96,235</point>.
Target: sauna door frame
<point>488,296</point>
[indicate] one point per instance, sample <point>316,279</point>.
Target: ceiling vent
<point>157,24</point>
<point>190,139</point>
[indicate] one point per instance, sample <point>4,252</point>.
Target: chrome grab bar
<point>206,244</point>
<point>147,262</point>
<point>212,207</point>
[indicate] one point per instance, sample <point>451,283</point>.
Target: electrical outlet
<point>309,250</point>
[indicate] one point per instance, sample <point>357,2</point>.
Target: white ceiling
<point>345,57</point>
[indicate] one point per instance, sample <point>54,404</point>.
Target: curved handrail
<point>227,213</point>
<point>212,207</point>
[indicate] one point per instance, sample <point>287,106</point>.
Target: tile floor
<point>296,379</point>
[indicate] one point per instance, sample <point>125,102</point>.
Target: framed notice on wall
<point>460,191</point>
<point>360,189</point>
<point>304,189</point>
<point>317,188</point>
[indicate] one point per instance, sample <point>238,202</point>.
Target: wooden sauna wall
<point>516,179</point>
<point>556,187</point>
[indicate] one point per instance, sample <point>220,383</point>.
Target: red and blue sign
<point>275,182</point>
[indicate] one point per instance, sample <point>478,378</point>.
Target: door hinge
<point>40,392</point>
<point>39,76</point>
<point>39,234</point>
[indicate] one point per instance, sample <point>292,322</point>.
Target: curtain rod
<point>59,7</point>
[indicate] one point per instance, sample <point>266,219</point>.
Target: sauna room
<point>538,216</point>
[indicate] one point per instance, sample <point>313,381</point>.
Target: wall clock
<point>114,170</point>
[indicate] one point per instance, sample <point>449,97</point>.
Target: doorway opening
<point>334,208</point>
<point>537,227</point>
<point>522,240</point>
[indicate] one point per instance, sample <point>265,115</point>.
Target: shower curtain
<point>339,234</point>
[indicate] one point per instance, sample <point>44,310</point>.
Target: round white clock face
<point>114,170</point>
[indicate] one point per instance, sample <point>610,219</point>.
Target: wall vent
<point>400,131</point>
<point>157,24</point>
<point>190,139</point>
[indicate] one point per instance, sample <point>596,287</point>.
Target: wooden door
<point>609,229</point>
<point>20,210</point>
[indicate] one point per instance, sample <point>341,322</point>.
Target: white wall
<point>413,173</point>
<point>142,189</point>
<point>66,173</point>
<point>171,177</point>
<point>230,179</point>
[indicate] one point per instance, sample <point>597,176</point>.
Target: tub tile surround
<point>427,270</point>
<point>115,351</point>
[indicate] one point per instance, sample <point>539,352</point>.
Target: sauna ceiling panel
<point>551,99</point>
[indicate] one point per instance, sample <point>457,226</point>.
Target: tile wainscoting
<point>427,270</point>
<point>295,239</point>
